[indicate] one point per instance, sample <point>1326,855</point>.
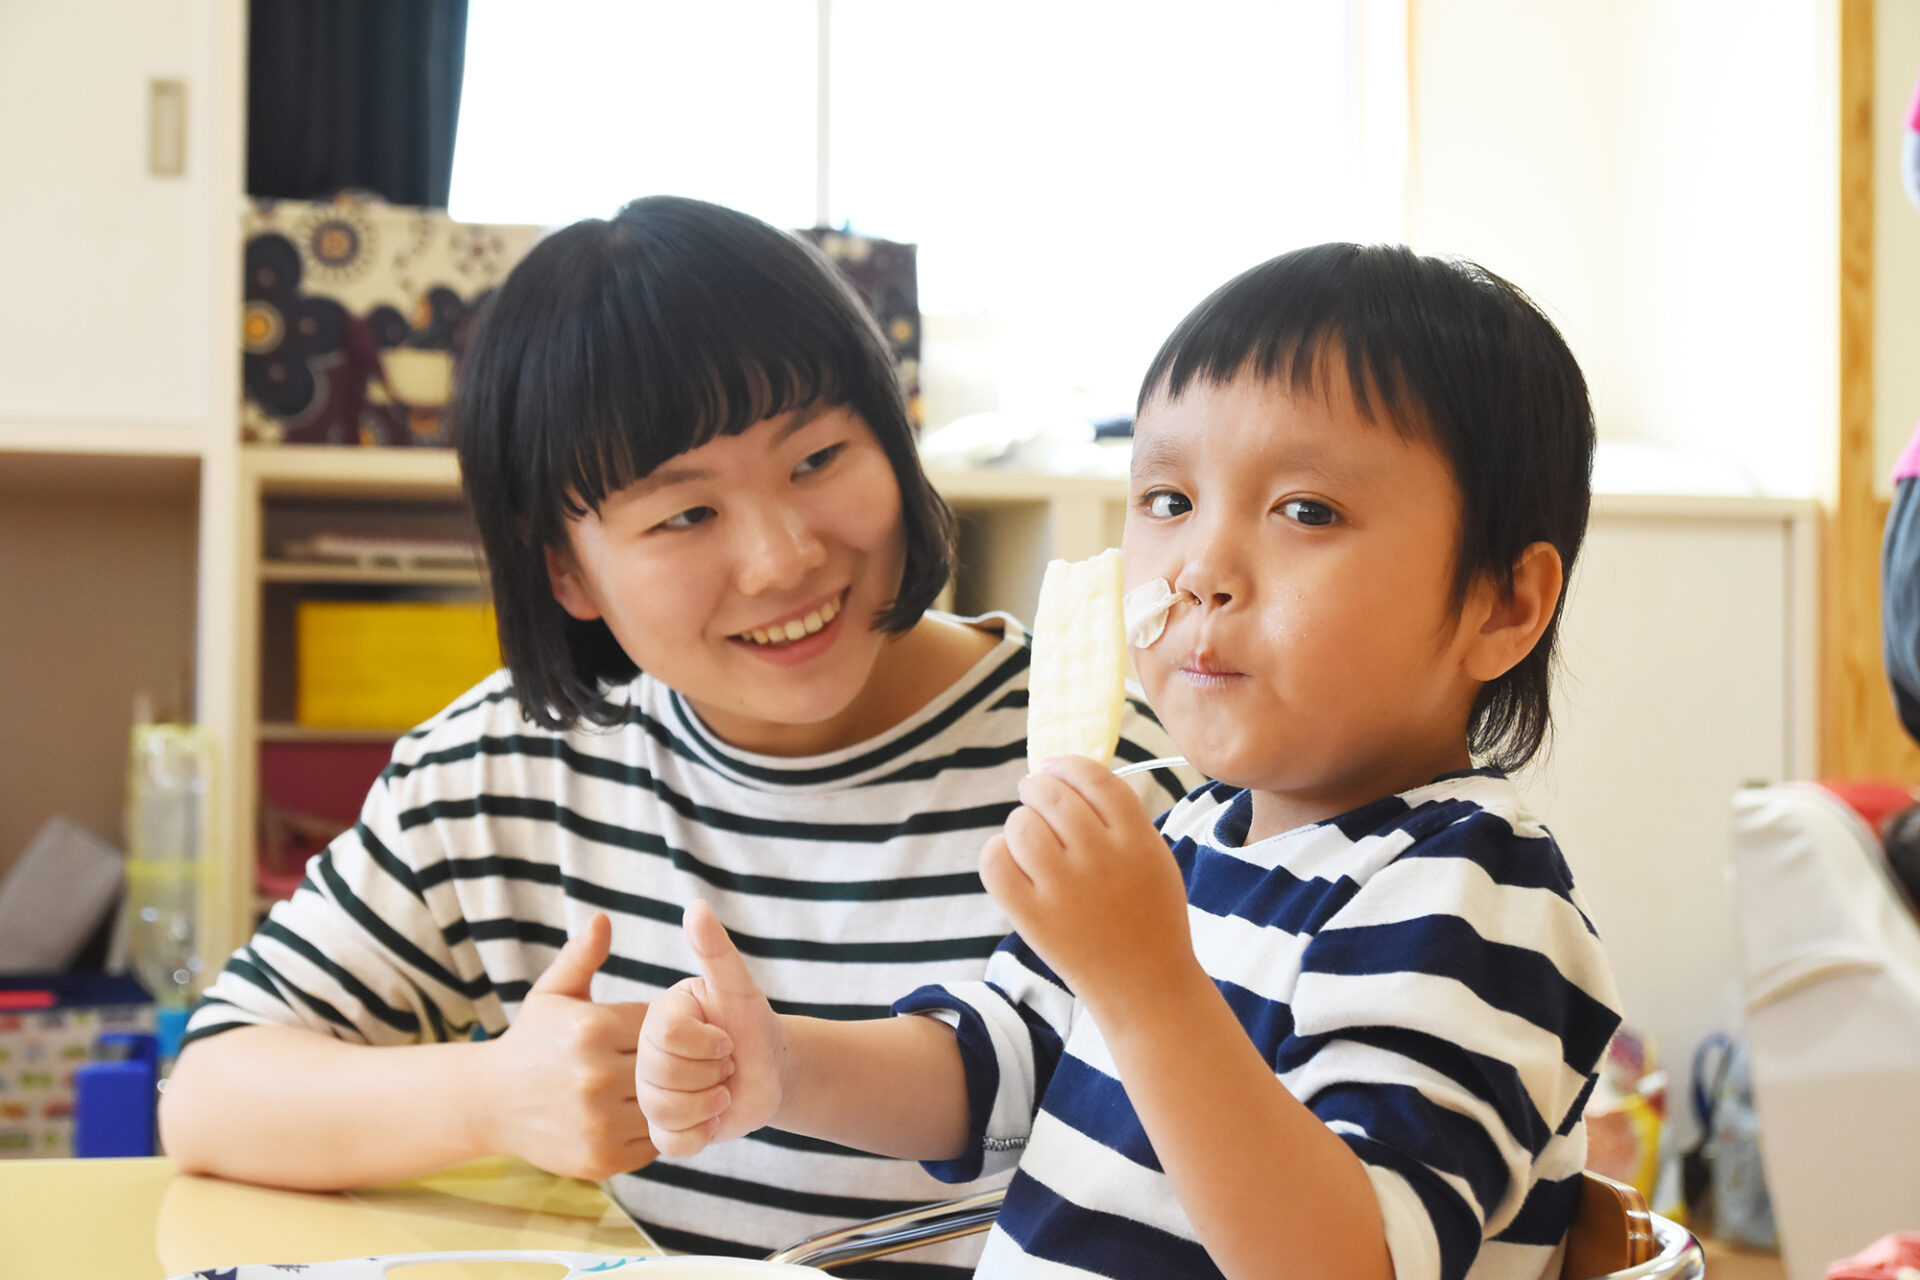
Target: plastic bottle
<point>166,837</point>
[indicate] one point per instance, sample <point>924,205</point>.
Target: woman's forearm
<point>293,1108</point>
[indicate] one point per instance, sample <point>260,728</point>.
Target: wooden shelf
<point>352,471</point>
<point>355,471</point>
<point>94,438</point>
<point>160,476</point>
<point>375,575</point>
<point>283,731</point>
<point>968,487</point>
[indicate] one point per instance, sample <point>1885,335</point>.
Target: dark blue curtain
<point>354,95</point>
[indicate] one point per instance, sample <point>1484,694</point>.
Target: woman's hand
<point>711,1050</point>
<point>557,1087</point>
<point>1089,884</point>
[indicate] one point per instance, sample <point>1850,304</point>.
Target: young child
<point>712,551</point>
<point>1348,1026</point>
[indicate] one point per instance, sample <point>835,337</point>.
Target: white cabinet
<point>113,273</point>
<point>1689,669</point>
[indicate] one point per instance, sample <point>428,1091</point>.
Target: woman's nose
<point>778,547</point>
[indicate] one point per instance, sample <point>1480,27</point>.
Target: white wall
<point>1896,236</point>
<point>1660,177</point>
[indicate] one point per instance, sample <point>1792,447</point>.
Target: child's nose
<point>1209,579</point>
<point>778,547</point>
<point>1191,588</point>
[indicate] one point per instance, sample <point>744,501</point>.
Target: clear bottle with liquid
<point>167,769</point>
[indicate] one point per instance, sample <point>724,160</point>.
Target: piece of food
<point>1078,685</point>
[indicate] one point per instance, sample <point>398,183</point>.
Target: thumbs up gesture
<point>710,1049</point>
<point>556,1089</point>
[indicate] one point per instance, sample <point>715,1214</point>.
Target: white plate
<point>578,1265</point>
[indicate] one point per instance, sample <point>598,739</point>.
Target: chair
<point>1830,970</point>
<point>1614,1236</point>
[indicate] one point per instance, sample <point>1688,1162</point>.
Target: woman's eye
<point>688,518</point>
<point>818,459</point>
<point>1164,504</point>
<point>1308,512</point>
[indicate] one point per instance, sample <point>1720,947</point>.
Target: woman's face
<point>748,573</point>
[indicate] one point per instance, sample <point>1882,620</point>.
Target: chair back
<point>1613,1230</point>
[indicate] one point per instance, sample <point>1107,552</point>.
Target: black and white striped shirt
<point>846,879</point>
<point>1420,972</point>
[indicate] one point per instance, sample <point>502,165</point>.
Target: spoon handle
<point>1141,766</point>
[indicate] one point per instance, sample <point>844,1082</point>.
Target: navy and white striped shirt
<point>1420,972</point>
<point>845,879</point>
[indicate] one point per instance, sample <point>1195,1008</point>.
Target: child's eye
<point>688,518</point>
<point>1308,512</point>
<point>818,459</point>
<point>1164,504</point>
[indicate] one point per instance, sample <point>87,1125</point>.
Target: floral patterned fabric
<point>354,315</point>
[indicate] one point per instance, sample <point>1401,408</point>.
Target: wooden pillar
<point>1861,736</point>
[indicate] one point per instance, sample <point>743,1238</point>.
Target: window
<point>1076,174</point>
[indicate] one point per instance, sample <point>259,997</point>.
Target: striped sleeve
<point>358,952</point>
<point>1011,1029</point>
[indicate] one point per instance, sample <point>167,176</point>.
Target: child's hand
<point>1088,882</point>
<point>710,1049</point>
<point>555,1093</point>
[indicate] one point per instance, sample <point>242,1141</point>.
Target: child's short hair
<point>1448,351</point>
<point>617,344</point>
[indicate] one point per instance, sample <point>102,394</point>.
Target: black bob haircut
<point>1446,351</point>
<point>616,344</point>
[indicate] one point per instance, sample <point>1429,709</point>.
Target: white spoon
<point>1141,766</point>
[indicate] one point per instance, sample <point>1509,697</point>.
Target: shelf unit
<point>119,392</point>
<point>1011,523</point>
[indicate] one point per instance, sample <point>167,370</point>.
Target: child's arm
<point>290,1107</point>
<point>1269,1188</point>
<point>715,1062</point>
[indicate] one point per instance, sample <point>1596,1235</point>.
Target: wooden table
<point>144,1220</point>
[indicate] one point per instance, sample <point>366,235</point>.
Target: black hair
<point>1444,350</point>
<point>617,344</point>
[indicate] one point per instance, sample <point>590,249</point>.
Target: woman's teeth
<point>799,627</point>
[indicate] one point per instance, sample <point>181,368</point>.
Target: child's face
<point>1314,652</point>
<point>795,523</point>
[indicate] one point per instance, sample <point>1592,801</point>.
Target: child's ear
<point>568,587</point>
<point>1511,623</point>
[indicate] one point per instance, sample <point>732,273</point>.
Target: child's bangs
<point>1295,321</point>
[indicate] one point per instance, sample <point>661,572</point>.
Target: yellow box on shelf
<point>388,664</point>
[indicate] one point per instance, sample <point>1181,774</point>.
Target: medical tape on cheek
<point>1145,610</point>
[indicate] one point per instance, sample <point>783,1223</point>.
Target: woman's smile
<point>797,636</point>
